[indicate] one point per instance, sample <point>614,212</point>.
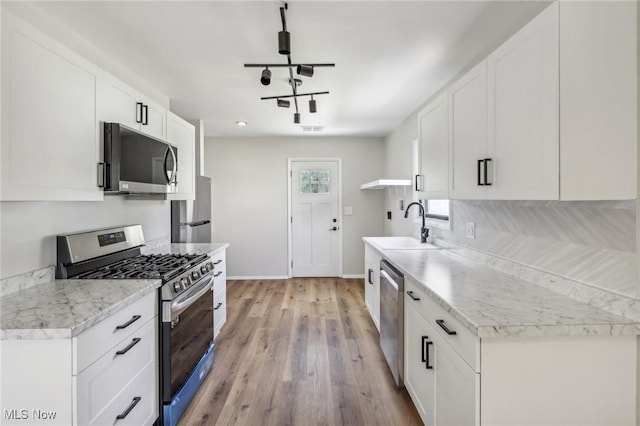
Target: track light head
<point>284,42</point>
<point>266,77</point>
<point>305,70</point>
<point>283,103</point>
<point>313,108</point>
<point>296,117</point>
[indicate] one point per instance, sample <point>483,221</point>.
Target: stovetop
<point>154,266</point>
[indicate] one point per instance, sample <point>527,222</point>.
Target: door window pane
<point>314,181</point>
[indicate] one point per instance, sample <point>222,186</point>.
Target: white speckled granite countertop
<point>492,303</point>
<point>65,308</point>
<point>195,248</point>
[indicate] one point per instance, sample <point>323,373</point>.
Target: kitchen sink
<point>400,243</point>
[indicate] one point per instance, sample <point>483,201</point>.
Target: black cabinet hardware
<point>134,342</point>
<point>486,167</point>
<point>416,186</point>
<point>126,412</point>
<point>138,112</point>
<point>480,172</point>
<point>128,323</point>
<point>445,328</point>
<point>411,295</point>
<point>369,278</point>
<point>425,352</point>
<point>145,117</point>
<point>217,274</point>
<point>217,262</point>
<point>101,174</point>
<point>217,306</point>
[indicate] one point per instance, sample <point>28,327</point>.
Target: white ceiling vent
<point>312,128</point>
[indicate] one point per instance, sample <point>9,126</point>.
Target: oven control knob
<point>209,267</point>
<point>185,282</point>
<point>176,286</point>
<point>203,269</point>
<point>195,275</point>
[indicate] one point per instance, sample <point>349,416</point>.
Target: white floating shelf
<point>385,183</point>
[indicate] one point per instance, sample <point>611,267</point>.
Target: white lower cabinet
<point>372,283</point>
<point>219,291</point>
<point>460,379</point>
<point>67,382</point>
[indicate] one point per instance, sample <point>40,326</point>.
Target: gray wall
<point>249,180</point>
<point>28,229</point>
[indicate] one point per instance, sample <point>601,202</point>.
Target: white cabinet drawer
<point>464,342</point>
<point>219,310</point>
<point>137,402</point>
<point>98,385</point>
<point>93,343</point>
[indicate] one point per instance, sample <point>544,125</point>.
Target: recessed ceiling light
<point>241,123</point>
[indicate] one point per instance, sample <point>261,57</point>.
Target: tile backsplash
<point>593,242</point>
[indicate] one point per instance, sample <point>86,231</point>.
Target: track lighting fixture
<point>305,70</point>
<point>312,105</point>
<point>266,77</point>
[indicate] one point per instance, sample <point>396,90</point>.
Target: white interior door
<point>315,224</point>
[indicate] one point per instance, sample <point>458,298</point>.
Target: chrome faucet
<point>424,232</point>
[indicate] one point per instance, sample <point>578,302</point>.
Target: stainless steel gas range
<point>185,341</point>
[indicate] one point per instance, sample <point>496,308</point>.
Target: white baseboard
<point>258,277</point>
<point>353,276</point>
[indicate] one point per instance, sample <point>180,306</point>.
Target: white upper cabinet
<point>523,112</point>
<point>182,135</point>
<point>598,100</point>
<point>120,103</point>
<point>433,131</point>
<point>50,145</point>
<point>468,134</point>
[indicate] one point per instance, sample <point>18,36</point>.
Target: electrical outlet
<point>471,230</point>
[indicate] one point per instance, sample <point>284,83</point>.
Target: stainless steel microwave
<point>135,163</point>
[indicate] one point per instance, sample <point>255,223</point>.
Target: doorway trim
<point>289,217</point>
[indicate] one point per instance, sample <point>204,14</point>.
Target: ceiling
<point>390,56</point>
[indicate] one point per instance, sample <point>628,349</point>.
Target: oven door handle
<point>182,302</point>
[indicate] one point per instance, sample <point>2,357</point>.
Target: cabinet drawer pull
<point>486,166</point>
<point>480,173</point>
<point>217,274</point>
<point>369,278</point>
<point>411,295</point>
<point>128,323</point>
<point>138,112</point>
<point>217,262</point>
<point>145,117</point>
<point>217,306</point>
<point>425,352</point>
<point>134,342</point>
<point>445,328</point>
<point>418,187</point>
<point>131,406</point>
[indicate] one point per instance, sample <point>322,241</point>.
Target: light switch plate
<point>348,211</point>
<point>471,230</point>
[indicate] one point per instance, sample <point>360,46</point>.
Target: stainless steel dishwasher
<point>392,319</point>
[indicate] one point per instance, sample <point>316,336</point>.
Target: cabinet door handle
<point>418,187</point>
<point>411,295</point>
<point>138,112</point>
<point>145,117</point>
<point>131,406</point>
<point>134,342</point>
<point>217,262</point>
<point>486,166</point>
<point>217,274</point>
<point>445,328</point>
<point>480,173</point>
<point>217,306</point>
<point>369,279</point>
<point>128,323</point>
<point>425,352</point>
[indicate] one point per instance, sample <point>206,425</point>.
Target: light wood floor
<point>299,352</point>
